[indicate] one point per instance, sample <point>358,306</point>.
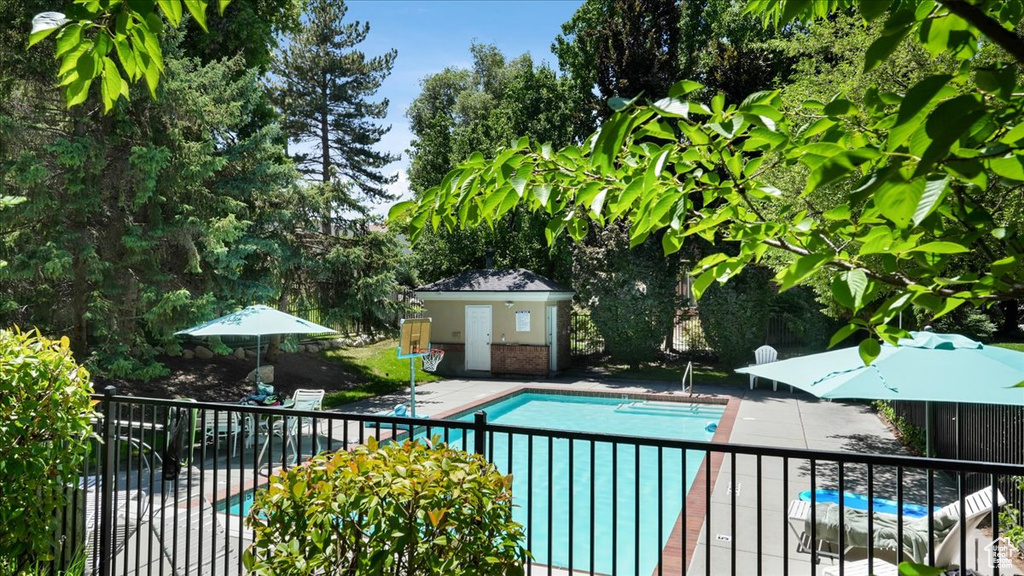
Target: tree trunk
<point>1010,327</point>
<point>79,305</point>
<point>325,161</point>
<point>274,343</point>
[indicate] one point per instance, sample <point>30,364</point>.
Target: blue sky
<point>431,35</point>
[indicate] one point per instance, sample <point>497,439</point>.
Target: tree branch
<point>988,26</point>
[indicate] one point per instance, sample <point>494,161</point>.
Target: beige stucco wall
<point>449,320</point>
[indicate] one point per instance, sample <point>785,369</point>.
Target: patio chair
<point>303,400</point>
<point>764,355</point>
<point>222,424</point>
<point>130,508</point>
<point>978,506</point>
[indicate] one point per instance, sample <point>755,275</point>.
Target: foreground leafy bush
<point>44,427</point>
<point>394,509</point>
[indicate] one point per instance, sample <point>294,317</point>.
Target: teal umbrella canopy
<point>256,321</point>
<point>927,367</point>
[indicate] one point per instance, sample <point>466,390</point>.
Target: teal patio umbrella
<point>926,367</point>
<point>256,321</point>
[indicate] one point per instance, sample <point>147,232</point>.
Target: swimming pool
<point>616,487</point>
<point>619,483</point>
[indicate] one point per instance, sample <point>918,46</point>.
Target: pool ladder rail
<point>688,373</point>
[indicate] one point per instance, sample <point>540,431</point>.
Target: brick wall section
<point>519,359</point>
<point>564,313</point>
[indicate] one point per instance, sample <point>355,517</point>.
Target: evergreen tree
<point>326,84</point>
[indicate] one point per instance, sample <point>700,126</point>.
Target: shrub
<point>734,316</point>
<point>387,509</point>
<point>631,293</point>
<point>44,423</point>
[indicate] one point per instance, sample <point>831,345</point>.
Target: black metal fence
<point>979,432</point>
<point>167,491</point>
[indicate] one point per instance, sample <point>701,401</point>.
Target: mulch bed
<point>222,379</point>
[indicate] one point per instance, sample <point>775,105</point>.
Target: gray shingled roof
<point>491,280</point>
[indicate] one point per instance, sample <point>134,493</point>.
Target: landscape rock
<point>187,354</point>
<point>250,354</point>
<point>240,353</point>
<point>312,349</point>
<point>203,353</point>
<point>266,375</point>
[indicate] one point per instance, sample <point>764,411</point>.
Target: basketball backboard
<point>414,339</point>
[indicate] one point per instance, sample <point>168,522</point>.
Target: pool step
<point>680,408</point>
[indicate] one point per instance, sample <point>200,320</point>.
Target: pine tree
<point>324,97</point>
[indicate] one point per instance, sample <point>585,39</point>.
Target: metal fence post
<point>106,479</point>
<point>480,432</point>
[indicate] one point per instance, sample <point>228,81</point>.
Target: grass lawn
<point>1018,346</point>
<point>378,366</point>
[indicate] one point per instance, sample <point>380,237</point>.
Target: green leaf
<point>941,248</point>
<point>702,282</point>
<point>871,9</point>
<point>800,269</point>
<point>857,282</point>
<point>221,5</point>
<point>842,334</point>
<point>683,87</point>
<point>44,24</point>
<point>77,92</point>
<point>946,124</point>
<point>912,569</point>
<point>793,9</point>
<point>883,46</point>
<point>400,209</point>
<point>672,107</point>
<point>935,190</point>
<point>68,39</point>
<point>838,167</point>
<point>618,104</point>
<point>869,349</point>
<point>197,8</point>
<point>172,9</point>
<point>915,105</point>
<point>111,87</point>
<point>1011,167</point>
<point>899,201</point>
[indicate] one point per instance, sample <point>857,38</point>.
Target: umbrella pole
<point>256,379</point>
<point>412,385</point>
<point>929,445</point>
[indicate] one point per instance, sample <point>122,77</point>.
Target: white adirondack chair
<point>764,355</point>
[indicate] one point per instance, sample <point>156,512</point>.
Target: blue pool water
<point>614,519</point>
<point>619,481</point>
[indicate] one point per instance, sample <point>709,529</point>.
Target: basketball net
<point>431,359</point>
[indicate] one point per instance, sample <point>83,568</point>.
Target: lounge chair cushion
<point>855,527</point>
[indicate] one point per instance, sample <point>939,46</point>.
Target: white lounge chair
<point>764,355</point>
<point>129,507</point>
<point>303,400</point>
<point>978,506</point>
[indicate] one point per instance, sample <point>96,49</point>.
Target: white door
<point>552,338</point>
<point>478,338</point>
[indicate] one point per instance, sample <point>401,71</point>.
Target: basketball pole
<point>412,385</point>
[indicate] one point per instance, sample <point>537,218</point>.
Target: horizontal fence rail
<point>168,490</point>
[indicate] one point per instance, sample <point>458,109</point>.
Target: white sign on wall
<point>522,320</point>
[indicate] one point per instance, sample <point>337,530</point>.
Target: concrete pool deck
<point>764,418</point>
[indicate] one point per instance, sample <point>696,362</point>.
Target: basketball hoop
<point>431,359</point>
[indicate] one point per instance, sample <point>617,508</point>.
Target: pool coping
<point>696,504</point>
